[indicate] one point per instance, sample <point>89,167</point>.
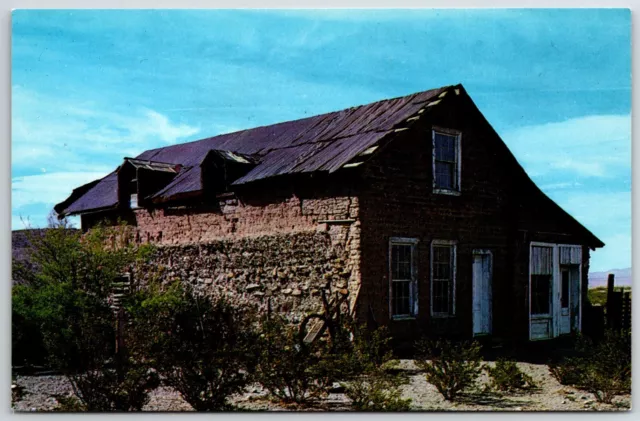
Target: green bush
<point>450,366</point>
<point>30,307</point>
<point>68,404</point>
<point>603,369</point>
<point>568,372</point>
<point>103,378</point>
<point>362,352</point>
<point>507,377</point>
<point>290,370</point>
<point>202,347</point>
<point>67,300</point>
<point>379,391</point>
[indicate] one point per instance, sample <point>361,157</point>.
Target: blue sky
<point>90,87</point>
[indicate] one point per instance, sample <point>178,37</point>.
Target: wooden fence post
<point>609,305</point>
<point>626,310</point>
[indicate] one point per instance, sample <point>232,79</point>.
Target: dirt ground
<point>550,396</point>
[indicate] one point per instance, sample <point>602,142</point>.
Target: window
<point>443,278</point>
<point>446,162</point>
<point>133,201</point>
<point>541,277</point>
<point>403,300</point>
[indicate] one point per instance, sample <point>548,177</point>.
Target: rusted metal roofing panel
<point>187,181</point>
<point>339,152</point>
<point>152,165</point>
<point>320,143</point>
<point>279,162</point>
<point>78,192</point>
<point>103,195</point>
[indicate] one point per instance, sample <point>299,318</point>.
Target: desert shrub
<point>201,346</point>
<point>29,308</point>
<point>378,391</point>
<point>450,366</point>
<point>289,369</point>
<point>360,353</point>
<point>603,369</point>
<point>103,378</point>
<point>568,372</point>
<point>607,366</point>
<point>68,300</point>
<point>507,377</point>
<point>68,404</point>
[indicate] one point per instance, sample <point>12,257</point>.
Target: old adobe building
<point>414,205</point>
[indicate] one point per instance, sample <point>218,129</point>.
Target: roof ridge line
<point>303,118</point>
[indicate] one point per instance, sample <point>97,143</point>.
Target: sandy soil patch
<point>550,396</point>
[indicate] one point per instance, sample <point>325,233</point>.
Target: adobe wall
<point>250,252</point>
<point>236,218</point>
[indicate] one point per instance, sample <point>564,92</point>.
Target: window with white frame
<point>446,161</point>
<point>443,278</point>
<point>403,297</point>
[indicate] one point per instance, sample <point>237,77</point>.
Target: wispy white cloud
<point>584,165</point>
<point>602,212</point>
<point>592,146</point>
<point>49,188</point>
<point>59,144</point>
<point>560,185</point>
<point>608,216</point>
<point>68,135</point>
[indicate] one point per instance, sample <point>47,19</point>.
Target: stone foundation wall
<point>289,269</point>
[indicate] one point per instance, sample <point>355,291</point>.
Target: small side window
<point>446,161</point>
<point>133,201</point>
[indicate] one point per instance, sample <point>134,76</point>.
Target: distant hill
<point>21,247</point>
<point>599,279</point>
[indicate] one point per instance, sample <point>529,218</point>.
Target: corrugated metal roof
<point>324,142</point>
<point>283,140</point>
<point>153,165</point>
<point>103,195</point>
<point>187,181</point>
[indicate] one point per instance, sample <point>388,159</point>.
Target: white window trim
<point>458,190</point>
<point>453,288</point>
<point>413,286</point>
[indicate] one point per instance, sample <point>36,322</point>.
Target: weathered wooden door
<point>569,298</point>
<point>482,295</point>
